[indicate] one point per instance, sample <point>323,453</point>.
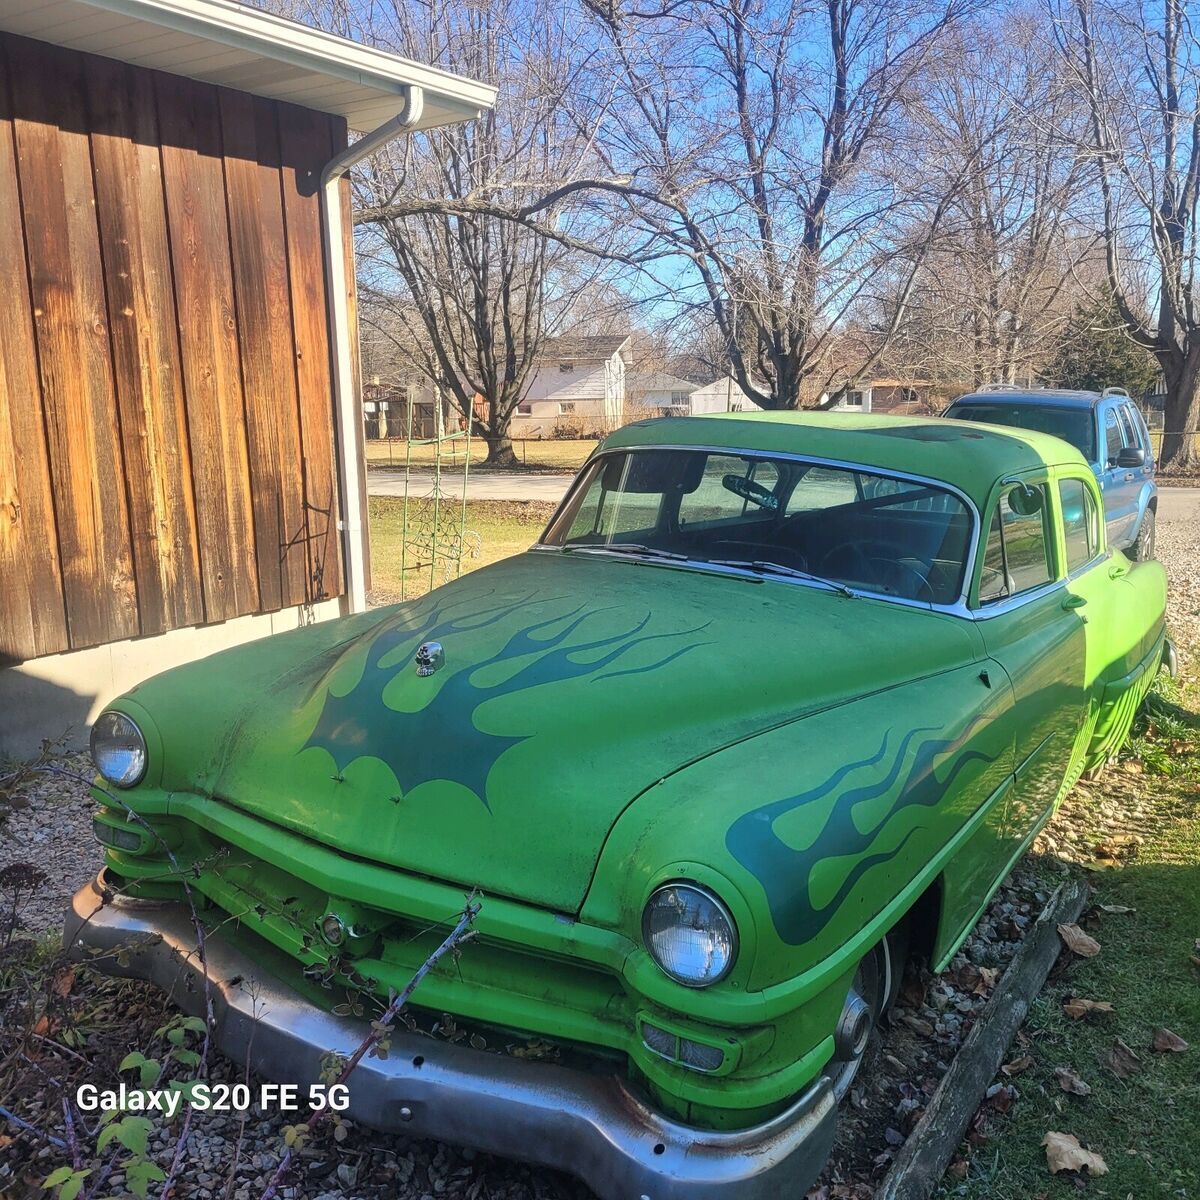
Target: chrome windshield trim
<point>957,608</point>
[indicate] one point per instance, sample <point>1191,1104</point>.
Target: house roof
<point>595,347</point>
<point>658,381</point>
<point>221,42</point>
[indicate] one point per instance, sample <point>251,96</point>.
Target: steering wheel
<point>883,570</point>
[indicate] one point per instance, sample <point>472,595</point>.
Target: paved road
<point>481,485</point>
<point>1178,504</point>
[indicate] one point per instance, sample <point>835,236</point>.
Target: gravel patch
<point>51,830</point>
<point>1178,549</point>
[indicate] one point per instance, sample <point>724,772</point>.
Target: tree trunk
<point>1181,416</point>
<point>500,450</point>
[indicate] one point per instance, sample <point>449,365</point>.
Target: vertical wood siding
<point>166,419</point>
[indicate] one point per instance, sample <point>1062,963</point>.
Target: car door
<point>1119,484</point>
<point>1136,437</point>
<point>1032,627</point>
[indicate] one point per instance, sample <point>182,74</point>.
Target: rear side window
<point>1080,527</point>
<point>1132,425</point>
<point>1017,555</point>
<point>1114,438</point>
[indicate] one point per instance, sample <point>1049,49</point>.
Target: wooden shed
<point>180,425</point>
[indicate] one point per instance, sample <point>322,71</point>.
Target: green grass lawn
<point>551,454</point>
<point>1146,1127</point>
<point>495,529</point>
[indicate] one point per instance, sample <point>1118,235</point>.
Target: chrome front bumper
<point>588,1125</point>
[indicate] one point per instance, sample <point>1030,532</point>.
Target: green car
<point>775,701</point>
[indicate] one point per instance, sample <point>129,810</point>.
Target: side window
<point>1114,439</point>
<point>1132,426</point>
<point>1017,556</point>
<point>1080,527</point>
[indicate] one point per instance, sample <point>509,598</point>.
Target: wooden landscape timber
<point>922,1160</point>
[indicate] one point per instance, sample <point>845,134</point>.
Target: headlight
<point>118,749</point>
<point>690,934</point>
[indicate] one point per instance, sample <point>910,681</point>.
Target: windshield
<point>850,528</point>
<point>1074,425</point>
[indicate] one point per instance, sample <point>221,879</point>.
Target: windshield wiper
<point>763,567</point>
<point>631,548</point>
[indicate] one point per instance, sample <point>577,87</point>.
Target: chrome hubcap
<point>853,1028</point>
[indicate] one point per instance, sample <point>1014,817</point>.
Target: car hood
<point>569,685</point>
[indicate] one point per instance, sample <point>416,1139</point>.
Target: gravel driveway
<point>231,1159</point>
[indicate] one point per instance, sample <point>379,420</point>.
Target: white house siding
<point>722,395</point>
<point>589,397</point>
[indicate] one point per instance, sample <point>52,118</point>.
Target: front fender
<point>827,830</point>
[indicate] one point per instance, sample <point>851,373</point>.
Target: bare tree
<point>1137,68</point>
<point>464,292</point>
<point>763,146</point>
<point>1002,278</point>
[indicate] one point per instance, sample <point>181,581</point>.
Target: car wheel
<point>1143,548</point>
<point>874,984</point>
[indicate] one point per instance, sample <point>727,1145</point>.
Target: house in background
<point>578,388</point>
<point>722,395</point>
<point>180,429</point>
<point>885,395</point>
<point>657,394</point>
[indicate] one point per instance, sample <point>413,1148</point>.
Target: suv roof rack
<point>1115,391</point>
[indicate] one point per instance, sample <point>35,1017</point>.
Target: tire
<point>1142,549</point>
<point>875,984</point>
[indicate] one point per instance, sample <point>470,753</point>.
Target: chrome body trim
<point>958,608</point>
<point>1170,658</point>
<point>590,1125</point>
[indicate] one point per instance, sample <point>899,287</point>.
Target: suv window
<point>1080,527</point>
<point>1017,556</point>
<point>1132,426</point>
<point>1114,438</point>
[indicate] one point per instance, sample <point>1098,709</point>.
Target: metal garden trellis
<point>424,532</point>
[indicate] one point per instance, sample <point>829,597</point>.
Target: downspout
<point>339,280</point>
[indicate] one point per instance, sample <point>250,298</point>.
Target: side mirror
<point>1131,456</point>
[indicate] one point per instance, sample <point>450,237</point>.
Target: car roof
<point>1043,397</point>
<point>969,455</point>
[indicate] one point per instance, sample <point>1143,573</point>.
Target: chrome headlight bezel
<point>117,733</point>
<point>704,899</point>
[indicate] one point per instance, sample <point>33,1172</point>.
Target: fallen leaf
<point>1166,1042</point>
<point>1070,1082</point>
<point>1121,1060</point>
<point>1064,1153</point>
<point>64,981</point>
<point>1001,1097</point>
<point>1078,1007</point>
<point>1017,1066</point>
<point>1115,909</point>
<point>987,980</point>
<point>1079,942</point>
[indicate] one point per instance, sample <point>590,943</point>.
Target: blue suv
<point>1109,432</point>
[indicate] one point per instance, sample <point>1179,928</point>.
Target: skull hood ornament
<point>429,658</point>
